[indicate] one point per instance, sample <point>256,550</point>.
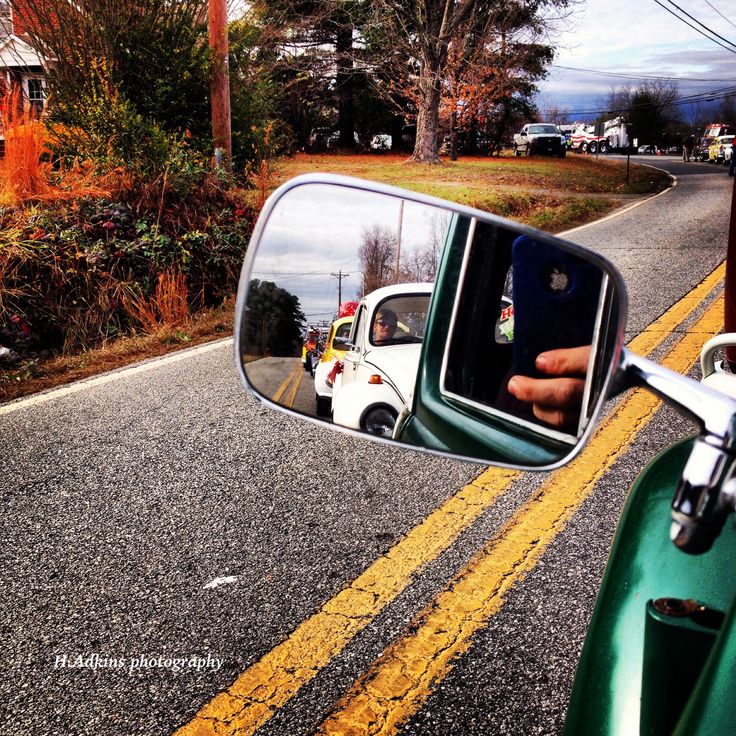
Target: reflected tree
<point>273,320</point>
<point>377,255</point>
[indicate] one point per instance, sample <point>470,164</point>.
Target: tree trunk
<point>344,87</point>
<point>428,116</point>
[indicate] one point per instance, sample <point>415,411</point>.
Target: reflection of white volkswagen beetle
<point>380,366</point>
<point>335,349</point>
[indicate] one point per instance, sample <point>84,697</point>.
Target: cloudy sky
<point>315,232</point>
<point>638,37</point>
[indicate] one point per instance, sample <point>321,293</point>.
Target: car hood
<point>397,363</point>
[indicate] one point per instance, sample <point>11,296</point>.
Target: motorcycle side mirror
<point>455,308</point>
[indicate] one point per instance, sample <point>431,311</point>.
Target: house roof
<point>15,53</point>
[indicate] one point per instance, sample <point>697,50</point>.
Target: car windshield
<point>400,319</point>
<point>537,129</point>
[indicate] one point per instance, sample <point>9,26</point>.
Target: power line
<point>730,22</point>
<point>601,73</point>
<point>688,99</point>
<point>672,12</point>
<point>701,24</point>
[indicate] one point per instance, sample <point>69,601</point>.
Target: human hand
<point>555,400</point>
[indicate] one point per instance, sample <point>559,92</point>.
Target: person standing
<point>687,149</point>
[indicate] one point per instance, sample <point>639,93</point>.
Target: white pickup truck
<point>540,138</point>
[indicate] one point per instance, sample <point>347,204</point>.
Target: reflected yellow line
<point>400,681</point>
<point>280,390</point>
<point>273,680</point>
<point>295,388</point>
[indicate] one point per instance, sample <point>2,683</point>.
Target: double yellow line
<point>295,376</point>
<point>398,683</point>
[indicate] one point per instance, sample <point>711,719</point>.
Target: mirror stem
<point>713,411</point>
<point>703,497</point>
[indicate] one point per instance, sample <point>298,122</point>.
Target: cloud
<point>634,38</point>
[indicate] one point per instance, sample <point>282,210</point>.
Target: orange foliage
<point>23,174</point>
<point>169,305</point>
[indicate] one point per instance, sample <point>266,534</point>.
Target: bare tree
<point>420,265</point>
<point>556,115</point>
<point>377,255</point>
<point>648,108</point>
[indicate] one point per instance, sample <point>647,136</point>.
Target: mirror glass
<point>323,251</point>
<point>352,294</point>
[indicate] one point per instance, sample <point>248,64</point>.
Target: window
<point>35,90</point>
<point>6,10</point>
<point>400,319</point>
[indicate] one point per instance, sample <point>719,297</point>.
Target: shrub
<point>23,174</point>
<point>71,270</point>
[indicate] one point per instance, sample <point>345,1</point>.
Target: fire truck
<point>712,131</point>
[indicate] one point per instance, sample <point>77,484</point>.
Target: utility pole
<point>220,83</point>
<point>339,276</point>
<point>398,242</point>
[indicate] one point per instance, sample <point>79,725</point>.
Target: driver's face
<point>383,328</point>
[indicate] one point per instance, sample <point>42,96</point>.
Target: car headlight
<point>379,420</point>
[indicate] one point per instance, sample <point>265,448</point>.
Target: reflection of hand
<point>557,400</point>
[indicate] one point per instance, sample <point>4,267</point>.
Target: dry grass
<point>550,193</point>
<point>168,307</point>
<point>23,174</point>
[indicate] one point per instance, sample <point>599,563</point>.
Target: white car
<point>334,351</point>
<point>380,366</point>
<point>381,142</point>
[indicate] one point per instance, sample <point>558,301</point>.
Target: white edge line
<point>623,210</point>
<point>109,377</point>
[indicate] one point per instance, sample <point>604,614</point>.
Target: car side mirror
<point>342,344</point>
<point>456,307</point>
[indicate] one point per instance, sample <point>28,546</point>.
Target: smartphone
<point>556,297</point>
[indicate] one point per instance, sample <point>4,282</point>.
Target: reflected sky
<point>315,231</point>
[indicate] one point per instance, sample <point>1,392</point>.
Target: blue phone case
<point>555,297</point>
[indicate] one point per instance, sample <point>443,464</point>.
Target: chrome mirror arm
<point>713,411</point>
<point>704,496</point>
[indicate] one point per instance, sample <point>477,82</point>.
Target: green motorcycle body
<point>652,673</point>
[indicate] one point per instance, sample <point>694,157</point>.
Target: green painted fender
<point>644,565</point>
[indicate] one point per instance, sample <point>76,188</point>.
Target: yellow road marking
<point>295,388</point>
<point>272,681</point>
<point>280,390</point>
<point>399,682</point>
<point>657,331</point>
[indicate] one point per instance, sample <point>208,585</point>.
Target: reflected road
<point>285,382</point>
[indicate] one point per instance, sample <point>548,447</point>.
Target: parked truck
<point>712,131</point>
<point>539,138</point>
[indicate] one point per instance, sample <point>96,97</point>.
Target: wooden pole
<point>220,84</point>
<point>730,281</point>
<point>398,242</point>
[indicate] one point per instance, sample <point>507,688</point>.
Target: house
<point>20,65</point>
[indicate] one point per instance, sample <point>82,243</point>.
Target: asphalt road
<point>285,382</point>
<point>166,515</point>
